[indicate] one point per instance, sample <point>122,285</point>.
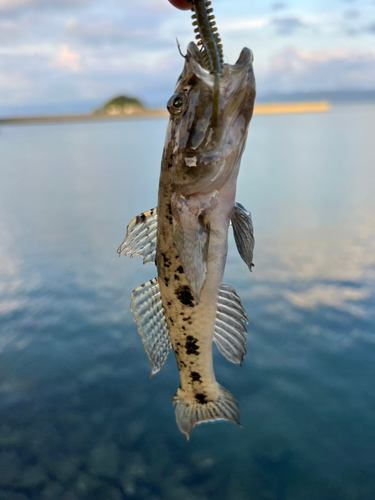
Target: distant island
<point>131,112</point>
<point>93,110</point>
<point>130,108</point>
<point>121,105</point>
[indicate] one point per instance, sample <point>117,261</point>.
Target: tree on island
<point>122,105</point>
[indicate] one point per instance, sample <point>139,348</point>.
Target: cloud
<point>351,14</point>
<point>155,5</point>
<point>67,58</point>
<point>11,5</point>
<point>278,6</point>
<point>15,87</point>
<point>9,30</point>
<point>243,24</point>
<point>108,32</point>
<point>287,25</point>
<point>13,81</point>
<point>306,70</point>
<point>98,32</point>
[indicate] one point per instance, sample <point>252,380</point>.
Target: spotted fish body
<point>187,307</point>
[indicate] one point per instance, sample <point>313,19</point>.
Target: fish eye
<point>176,103</point>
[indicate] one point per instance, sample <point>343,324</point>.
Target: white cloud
<point>12,4</point>
<point>158,5</point>
<point>68,58</point>
<point>239,24</point>
<point>331,55</point>
<point>71,24</point>
<point>282,23</point>
<point>28,50</point>
<point>305,70</point>
<point>13,81</point>
<point>104,28</point>
<point>8,29</point>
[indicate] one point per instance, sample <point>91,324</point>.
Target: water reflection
<point>80,417</point>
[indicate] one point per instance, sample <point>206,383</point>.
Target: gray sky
<point>58,52</point>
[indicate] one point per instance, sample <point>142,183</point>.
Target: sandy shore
<point>260,109</point>
<point>291,107</point>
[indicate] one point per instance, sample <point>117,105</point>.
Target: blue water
<point>79,416</point>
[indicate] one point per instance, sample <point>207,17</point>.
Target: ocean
<point>79,416</point>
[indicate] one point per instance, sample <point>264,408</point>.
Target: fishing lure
<point>209,38</point>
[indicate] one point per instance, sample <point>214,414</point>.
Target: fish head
<point>207,155</point>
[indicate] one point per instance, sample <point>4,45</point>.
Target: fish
<point>187,307</point>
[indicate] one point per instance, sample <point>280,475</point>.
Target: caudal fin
<point>190,413</point>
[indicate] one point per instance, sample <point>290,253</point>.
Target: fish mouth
<point>246,57</point>
<point>197,55</point>
<point>237,91</point>
<point>193,53</point>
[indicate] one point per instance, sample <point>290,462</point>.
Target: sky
<point>67,55</point>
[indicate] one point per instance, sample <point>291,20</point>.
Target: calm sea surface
<point>79,416</point>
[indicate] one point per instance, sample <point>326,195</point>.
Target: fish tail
<point>190,413</point>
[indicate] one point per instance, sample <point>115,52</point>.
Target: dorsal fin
<point>148,313</point>
<point>141,236</point>
<point>230,330</point>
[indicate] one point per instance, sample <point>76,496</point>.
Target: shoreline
<point>259,109</point>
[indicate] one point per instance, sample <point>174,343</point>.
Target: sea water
<point>79,416</point>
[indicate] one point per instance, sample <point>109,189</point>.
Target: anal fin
<point>141,237</point>
<point>148,313</point>
<point>243,233</point>
<point>230,331</point>
<point>190,413</point>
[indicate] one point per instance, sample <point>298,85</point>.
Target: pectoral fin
<point>140,237</point>
<point>230,330</point>
<point>243,233</point>
<point>148,313</point>
<point>191,237</point>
